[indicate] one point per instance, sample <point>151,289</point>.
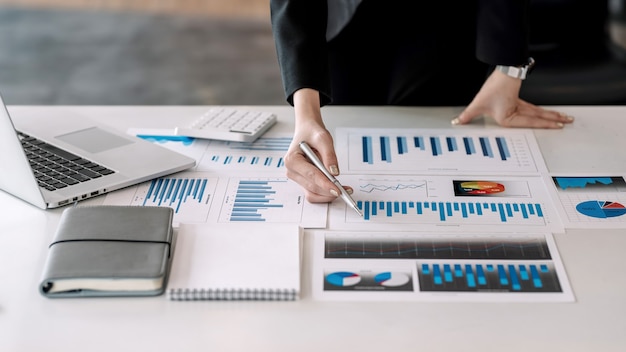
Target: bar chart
<point>190,197</point>
<point>443,266</point>
<point>264,154</point>
<point>262,200</point>
<point>446,200</point>
<point>434,145</point>
<point>439,150</point>
<point>452,212</point>
<point>201,197</point>
<point>249,161</point>
<point>459,276</point>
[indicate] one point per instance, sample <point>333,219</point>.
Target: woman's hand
<point>310,127</point>
<point>499,99</point>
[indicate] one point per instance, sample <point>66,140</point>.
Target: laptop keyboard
<point>55,168</point>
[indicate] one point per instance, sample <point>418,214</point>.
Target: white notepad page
<point>236,261</point>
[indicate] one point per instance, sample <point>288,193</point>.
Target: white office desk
<point>595,262</point>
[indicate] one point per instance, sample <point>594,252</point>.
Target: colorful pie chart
<point>343,278</point>
<point>391,279</point>
<point>481,187</point>
<point>601,209</point>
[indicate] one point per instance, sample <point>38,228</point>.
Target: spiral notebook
<point>236,261</point>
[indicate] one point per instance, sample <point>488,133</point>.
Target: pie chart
<point>601,209</point>
<point>391,279</point>
<point>343,278</point>
<point>481,187</point>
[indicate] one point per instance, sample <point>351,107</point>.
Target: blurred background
<point>138,52</point>
<point>212,52</point>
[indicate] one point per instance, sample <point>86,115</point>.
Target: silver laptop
<point>51,161</point>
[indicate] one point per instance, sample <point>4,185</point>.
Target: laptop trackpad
<point>94,140</point>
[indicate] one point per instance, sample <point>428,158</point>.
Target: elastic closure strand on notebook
<point>169,245</point>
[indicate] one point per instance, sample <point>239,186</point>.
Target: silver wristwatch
<point>517,71</point>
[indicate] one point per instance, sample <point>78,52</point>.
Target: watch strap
<point>519,72</point>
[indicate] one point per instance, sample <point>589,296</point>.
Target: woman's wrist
<point>499,83</point>
<point>306,103</point>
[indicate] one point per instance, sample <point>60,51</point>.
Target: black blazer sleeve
<point>502,32</point>
<point>299,29</point>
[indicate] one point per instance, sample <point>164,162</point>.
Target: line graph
<point>390,186</point>
<point>436,247</point>
<point>590,184</point>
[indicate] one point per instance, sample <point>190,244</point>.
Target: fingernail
<point>559,124</point>
<point>349,190</point>
<point>455,121</point>
<point>566,116</point>
<point>334,170</point>
<point>334,193</point>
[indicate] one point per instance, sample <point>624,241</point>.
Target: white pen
<point>318,163</point>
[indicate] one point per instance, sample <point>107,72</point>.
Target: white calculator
<point>229,124</point>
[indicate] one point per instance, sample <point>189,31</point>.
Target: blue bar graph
<point>263,154</point>
<point>419,143</point>
<point>469,145</point>
<point>402,146</point>
<point>503,148</point>
<point>252,199</point>
<point>262,144</point>
<point>451,145</point>
<point>385,149</point>
<point>367,150</point>
<point>174,192</point>
<point>263,161</point>
<point>454,276</point>
<point>435,146</point>
<point>451,142</point>
<point>486,147</point>
<point>449,211</point>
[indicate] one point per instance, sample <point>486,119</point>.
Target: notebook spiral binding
<point>175,294</point>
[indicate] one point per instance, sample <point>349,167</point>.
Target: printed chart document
<point>236,262</point>
<point>265,155</point>
<point>418,266</point>
<point>449,215</point>
<point>231,182</point>
<point>438,151</point>
<point>452,203</point>
<point>591,201</point>
<point>203,197</point>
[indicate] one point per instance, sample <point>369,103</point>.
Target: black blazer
<point>299,29</point>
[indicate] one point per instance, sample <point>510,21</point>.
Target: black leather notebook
<point>109,251</point>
